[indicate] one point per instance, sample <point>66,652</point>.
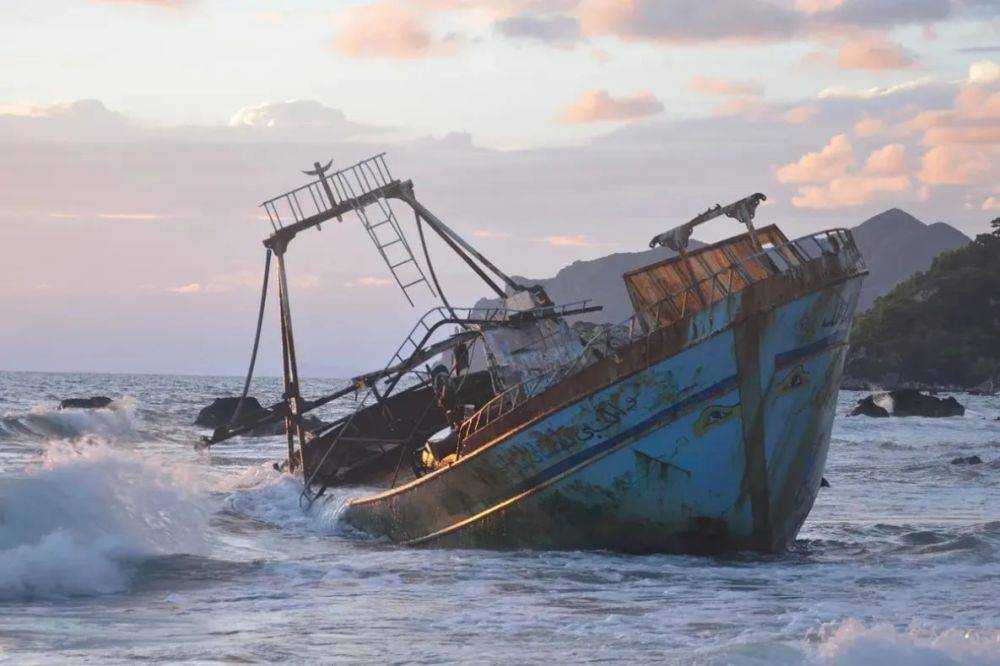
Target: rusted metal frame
<point>360,212</point>
<point>700,256</point>
<point>293,419</point>
<point>386,209</point>
<point>298,205</point>
<point>735,264</point>
<point>599,372</point>
<point>405,193</point>
<point>316,202</point>
<point>270,218</point>
<point>692,281</point>
<point>474,423</point>
<point>404,447</point>
<point>278,413</point>
<point>457,250</point>
<point>284,235</point>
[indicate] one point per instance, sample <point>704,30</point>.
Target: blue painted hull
<point>718,446</point>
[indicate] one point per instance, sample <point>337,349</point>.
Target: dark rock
<point>95,402</point>
<point>823,483</point>
<point>867,407</point>
<point>220,413</point>
<point>967,460</point>
<point>909,402</point>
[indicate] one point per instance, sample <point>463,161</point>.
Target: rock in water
<point>907,402</point>
<point>867,407</point>
<point>220,412</point>
<point>968,460</point>
<point>94,402</point>
<point>910,402</point>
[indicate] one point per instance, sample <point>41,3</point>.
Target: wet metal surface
<point>709,434</point>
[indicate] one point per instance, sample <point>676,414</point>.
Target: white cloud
<point>132,217</point>
<point>984,72</point>
<point>190,288</point>
<point>369,281</point>
<point>873,92</point>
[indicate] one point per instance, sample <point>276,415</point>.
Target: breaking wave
<point>853,642</point>
<point>112,422</point>
<point>272,497</point>
<point>78,523</point>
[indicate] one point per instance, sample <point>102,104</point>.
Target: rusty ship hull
<point>705,434</point>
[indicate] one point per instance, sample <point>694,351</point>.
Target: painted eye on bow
<point>798,377</point>
<point>713,416</point>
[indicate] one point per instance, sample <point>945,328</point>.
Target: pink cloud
<point>382,30</point>
<point>874,53</point>
<point>868,126</point>
<point>721,87</point>
<point>598,106</point>
<point>486,233</point>
<point>799,115</point>
<point>888,160</point>
<point>955,165</point>
<point>849,190</point>
<point>826,180</point>
<point>151,3</point>
<point>569,241</point>
<point>826,164</point>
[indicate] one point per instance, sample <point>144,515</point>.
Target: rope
<point>256,342</point>
<point>430,266</point>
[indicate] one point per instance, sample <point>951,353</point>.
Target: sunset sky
<point>137,138</point>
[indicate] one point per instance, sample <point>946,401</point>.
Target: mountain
<point>939,328</point>
<point>895,246</point>
<point>597,279</point>
<point>894,243</point>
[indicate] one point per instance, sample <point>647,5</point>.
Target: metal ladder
<point>362,186</point>
<point>360,179</point>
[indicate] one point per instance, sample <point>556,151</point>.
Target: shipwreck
<point>700,424</point>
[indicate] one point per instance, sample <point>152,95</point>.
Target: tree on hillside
<point>939,327</point>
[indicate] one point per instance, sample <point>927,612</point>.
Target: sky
<point>137,138</point>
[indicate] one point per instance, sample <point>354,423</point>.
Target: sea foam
<point>76,524</point>
<point>853,642</point>
<point>45,422</point>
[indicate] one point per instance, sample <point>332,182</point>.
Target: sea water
<point>121,543</point>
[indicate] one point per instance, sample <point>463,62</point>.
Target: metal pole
<point>291,373</point>
<point>458,250</point>
<point>443,229</point>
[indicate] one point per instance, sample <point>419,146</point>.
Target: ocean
<point>120,543</point>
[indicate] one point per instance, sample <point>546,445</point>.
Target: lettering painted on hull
<point>607,415</point>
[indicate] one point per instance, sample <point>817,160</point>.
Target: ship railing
<point>418,336</point>
<point>361,182</point>
<point>401,362</point>
<point>773,260</point>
